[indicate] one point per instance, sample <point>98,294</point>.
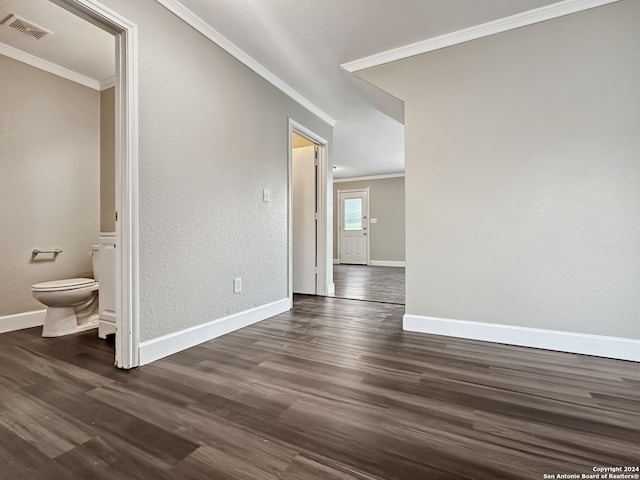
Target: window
<point>353,213</point>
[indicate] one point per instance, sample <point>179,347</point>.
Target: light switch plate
<point>374,220</point>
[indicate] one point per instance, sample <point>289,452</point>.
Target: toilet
<point>72,304</point>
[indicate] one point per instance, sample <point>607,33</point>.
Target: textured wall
<point>213,134</point>
<point>107,160</point>
<point>386,203</point>
<point>49,187</point>
<point>523,175</point>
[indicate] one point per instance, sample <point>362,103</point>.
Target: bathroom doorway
<point>304,173</point>
<point>50,165</point>
<point>58,73</point>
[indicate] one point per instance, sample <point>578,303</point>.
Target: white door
<point>354,208</point>
<point>303,171</point>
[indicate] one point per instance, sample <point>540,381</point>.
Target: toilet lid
<point>66,284</point>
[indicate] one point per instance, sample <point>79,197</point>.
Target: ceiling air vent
<point>25,27</point>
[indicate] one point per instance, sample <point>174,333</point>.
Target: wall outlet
<point>266,195</point>
<point>237,285</point>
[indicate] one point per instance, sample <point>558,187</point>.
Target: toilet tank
<point>95,256</point>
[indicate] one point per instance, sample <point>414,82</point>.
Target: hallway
<point>373,284</point>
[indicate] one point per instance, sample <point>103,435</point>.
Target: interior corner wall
<point>212,135</point>
<point>386,204</point>
<point>523,175</point>
<point>49,185</point>
<point>107,160</point>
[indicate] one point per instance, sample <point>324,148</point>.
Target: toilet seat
<point>60,285</point>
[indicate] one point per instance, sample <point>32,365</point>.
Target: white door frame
<point>367,222</point>
<point>126,113</point>
<point>324,252</point>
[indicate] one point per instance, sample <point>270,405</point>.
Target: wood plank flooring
<point>332,390</point>
<point>373,284</point>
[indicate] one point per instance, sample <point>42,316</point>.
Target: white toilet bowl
<point>72,304</point>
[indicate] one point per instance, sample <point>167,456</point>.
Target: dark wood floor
<point>332,390</point>
<point>374,284</point>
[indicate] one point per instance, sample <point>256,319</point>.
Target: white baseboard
<point>386,263</point>
<point>586,344</point>
<point>18,321</point>
<point>161,347</point>
<point>336,261</point>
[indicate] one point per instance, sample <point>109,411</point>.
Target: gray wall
<point>523,175</point>
<point>107,160</point>
<point>386,203</point>
<point>49,187</point>
<point>213,134</point>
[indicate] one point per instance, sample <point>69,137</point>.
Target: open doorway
<point>125,247</point>
<point>369,255</point>
<point>310,214</point>
<point>304,172</point>
<point>56,123</point>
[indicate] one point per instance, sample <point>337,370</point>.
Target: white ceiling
<point>303,42</point>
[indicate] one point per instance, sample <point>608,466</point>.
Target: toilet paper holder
<point>38,251</point>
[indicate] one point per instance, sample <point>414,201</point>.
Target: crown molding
<point>42,64</point>
<point>223,42</point>
<point>369,177</point>
<point>108,82</point>
<point>523,19</point>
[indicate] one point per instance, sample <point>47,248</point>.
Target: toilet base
<point>65,321</point>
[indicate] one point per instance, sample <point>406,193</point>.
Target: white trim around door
<point>126,84</point>
<point>324,250</point>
